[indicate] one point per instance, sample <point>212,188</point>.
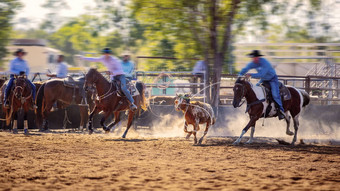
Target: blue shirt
<point>62,70</point>
<point>265,70</point>
<point>18,65</point>
<point>128,68</point>
<point>199,67</point>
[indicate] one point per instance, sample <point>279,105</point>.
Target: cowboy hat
<point>18,51</point>
<point>255,53</point>
<point>126,53</point>
<point>107,51</point>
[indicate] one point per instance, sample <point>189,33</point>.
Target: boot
<point>133,107</point>
<point>6,103</point>
<point>281,115</point>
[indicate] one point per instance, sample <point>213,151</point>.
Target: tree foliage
<point>8,9</point>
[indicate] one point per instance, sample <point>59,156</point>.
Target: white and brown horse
<point>257,104</point>
<point>195,113</point>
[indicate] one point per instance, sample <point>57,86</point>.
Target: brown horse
<point>195,113</point>
<point>109,101</point>
<point>20,98</point>
<point>55,90</point>
<point>257,106</point>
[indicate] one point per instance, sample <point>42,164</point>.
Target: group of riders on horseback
<point>114,96</point>
<point>19,66</point>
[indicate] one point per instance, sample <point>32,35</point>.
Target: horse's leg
<point>130,119</point>
<point>102,122</point>
<point>83,117</point>
<point>94,111</point>
<point>252,131</point>
<point>296,127</point>
<point>47,108</point>
<point>205,132</point>
<point>288,132</point>
<point>117,119</point>
<point>186,130</point>
<point>250,124</point>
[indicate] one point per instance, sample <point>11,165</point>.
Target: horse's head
<point>181,101</point>
<point>20,85</point>
<point>240,91</point>
<point>90,79</point>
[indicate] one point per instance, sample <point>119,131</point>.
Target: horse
<point>20,99</point>
<point>55,90</point>
<point>258,107</point>
<point>195,113</point>
<point>109,101</point>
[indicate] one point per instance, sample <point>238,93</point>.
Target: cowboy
<point>128,66</point>
<point>265,72</point>
<point>115,68</point>
<point>61,70</point>
<point>17,66</point>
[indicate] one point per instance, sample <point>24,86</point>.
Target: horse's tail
<point>39,101</point>
<point>141,88</point>
<point>306,98</point>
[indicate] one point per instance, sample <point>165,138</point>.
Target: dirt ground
<point>75,161</point>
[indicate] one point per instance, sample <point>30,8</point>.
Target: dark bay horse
<point>20,98</point>
<point>257,106</point>
<point>55,90</point>
<point>195,113</point>
<point>109,101</point>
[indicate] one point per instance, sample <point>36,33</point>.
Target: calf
<point>195,113</point>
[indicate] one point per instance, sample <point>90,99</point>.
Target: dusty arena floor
<point>74,161</point>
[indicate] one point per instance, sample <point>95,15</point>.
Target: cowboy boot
<point>281,114</point>
<point>133,107</point>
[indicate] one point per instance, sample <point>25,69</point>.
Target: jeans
<point>126,92</point>
<point>9,87</point>
<point>274,84</point>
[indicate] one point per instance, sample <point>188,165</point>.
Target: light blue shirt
<point>18,65</point>
<point>128,68</point>
<point>62,70</point>
<point>264,69</point>
<point>199,67</point>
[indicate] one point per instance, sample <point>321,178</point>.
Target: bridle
<point>21,90</point>
<point>243,92</point>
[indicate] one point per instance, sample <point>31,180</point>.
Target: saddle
<point>131,86</point>
<point>74,83</point>
<point>284,91</point>
<point>77,83</point>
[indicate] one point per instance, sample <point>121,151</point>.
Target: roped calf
<point>195,113</point>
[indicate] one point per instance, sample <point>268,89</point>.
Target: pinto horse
<point>257,106</point>
<point>55,90</point>
<point>195,113</point>
<point>109,101</point>
<point>20,98</point>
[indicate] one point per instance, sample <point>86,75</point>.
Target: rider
<point>114,66</point>
<point>265,73</point>
<point>128,66</point>
<point>18,65</point>
<point>61,70</point>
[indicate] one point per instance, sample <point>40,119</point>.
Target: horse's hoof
<point>90,132</point>
<point>26,132</point>
<point>107,131</point>
<point>124,136</point>
<point>236,143</point>
<point>249,142</point>
<point>15,131</point>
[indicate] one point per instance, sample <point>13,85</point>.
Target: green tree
<point>8,9</point>
<point>76,37</point>
<point>53,19</point>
